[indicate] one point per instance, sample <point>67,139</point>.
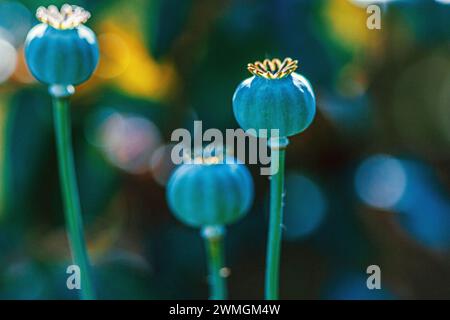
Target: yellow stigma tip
<point>68,17</point>
<point>273,69</point>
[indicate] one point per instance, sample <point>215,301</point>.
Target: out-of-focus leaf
<point>166,20</point>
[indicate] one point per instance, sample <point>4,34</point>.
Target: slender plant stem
<point>276,218</point>
<point>5,119</point>
<point>74,223</point>
<point>215,255</point>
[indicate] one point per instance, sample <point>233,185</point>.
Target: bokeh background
<point>367,183</point>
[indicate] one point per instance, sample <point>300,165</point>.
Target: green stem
<point>276,218</point>
<point>72,211</point>
<point>214,249</point>
<point>5,119</point>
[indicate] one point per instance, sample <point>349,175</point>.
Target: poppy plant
<point>275,98</point>
<point>211,193</point>
<point>61,52</point>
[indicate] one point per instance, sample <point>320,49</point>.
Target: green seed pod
<point>61,50</point>
<point>210,193</point>
<point>274,98</point>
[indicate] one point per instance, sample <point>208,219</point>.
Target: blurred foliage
<point>167,63</point>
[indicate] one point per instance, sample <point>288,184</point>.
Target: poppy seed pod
<point>61,50</point>
<point>274,98</point>
<point>210,193</point>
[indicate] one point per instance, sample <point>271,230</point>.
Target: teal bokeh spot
<point>63,57</point>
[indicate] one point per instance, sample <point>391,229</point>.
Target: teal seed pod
<point>61,50</point>
<point>275,97</point>
<point>210,193</point>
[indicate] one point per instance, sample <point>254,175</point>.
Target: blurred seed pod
<point>210,193</point>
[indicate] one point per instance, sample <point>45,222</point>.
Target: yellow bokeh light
<point>348,23</point>
<point>115,56</point>
<point>128,64</point>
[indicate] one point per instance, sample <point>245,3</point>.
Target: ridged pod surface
<point>210,194</point>
<point>63,57</point>
<point>287,103</point>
